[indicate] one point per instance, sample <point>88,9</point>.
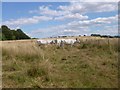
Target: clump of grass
<point>36,72</point>
<point>18,78</point>
<point>82,46</point>
<point>11,67</point>
<point>57,47</point>
<point>64,58</point>
<point>84,65</point>
<point>104,63</point>
<point>36,86</point>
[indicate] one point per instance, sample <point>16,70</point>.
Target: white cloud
<point>82,27</point>
<point>106,20</point>
<point>17,27</point>
<point>94,22</point>
<point>107,30</point>
<point>24,21</point>
<point>70,30</point>
<point>60,0</point>
<point>85,7</point>
<point>72,16</point>
<point>79,7</point>
<point>76,13</point>
<point>94,1</point>
<point>45,10</point>
<point>75,10</point>
<point>58,14</point>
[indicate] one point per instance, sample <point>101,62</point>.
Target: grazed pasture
<point>91,64</point>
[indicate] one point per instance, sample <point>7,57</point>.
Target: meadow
<point>91,64</point>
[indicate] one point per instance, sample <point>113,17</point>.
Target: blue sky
<point>45,19</point>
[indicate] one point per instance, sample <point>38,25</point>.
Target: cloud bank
<point>77,15</point>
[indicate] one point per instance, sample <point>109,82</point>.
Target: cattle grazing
<point>43,42</point>
<point>59,42</point>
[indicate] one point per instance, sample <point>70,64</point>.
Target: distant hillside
<point>8,34</point>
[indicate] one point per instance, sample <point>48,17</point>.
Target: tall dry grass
<point>21,49</point>
<point>25,64</point>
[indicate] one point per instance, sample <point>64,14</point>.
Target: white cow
<point>69,41</point>
<point>50,41</point>
<point>59,42</point>
<point>40,41</point>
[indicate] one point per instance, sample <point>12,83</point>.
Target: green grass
<point>90,64</point>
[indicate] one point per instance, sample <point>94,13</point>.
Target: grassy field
<point>91,64</point>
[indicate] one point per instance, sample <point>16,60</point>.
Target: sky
<point>47,19</point>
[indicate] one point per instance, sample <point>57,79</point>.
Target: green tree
<point>6,31</point>
<point>8,34</point>
<point>22,35</point>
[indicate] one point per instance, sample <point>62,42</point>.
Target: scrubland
<point>91,64</point>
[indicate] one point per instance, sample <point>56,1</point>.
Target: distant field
<point>91,64</point>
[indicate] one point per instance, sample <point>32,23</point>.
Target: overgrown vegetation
<point>90,64</point>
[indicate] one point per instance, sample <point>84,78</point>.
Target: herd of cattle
<point>59,42</point>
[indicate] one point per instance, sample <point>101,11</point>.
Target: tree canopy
<point>8,34</point>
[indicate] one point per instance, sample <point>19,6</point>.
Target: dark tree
<point>22,35</point>
<point>96,35</point>
<point>8,34</point>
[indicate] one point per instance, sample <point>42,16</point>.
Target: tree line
<point>104,36</point>
<point>8,34</point>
